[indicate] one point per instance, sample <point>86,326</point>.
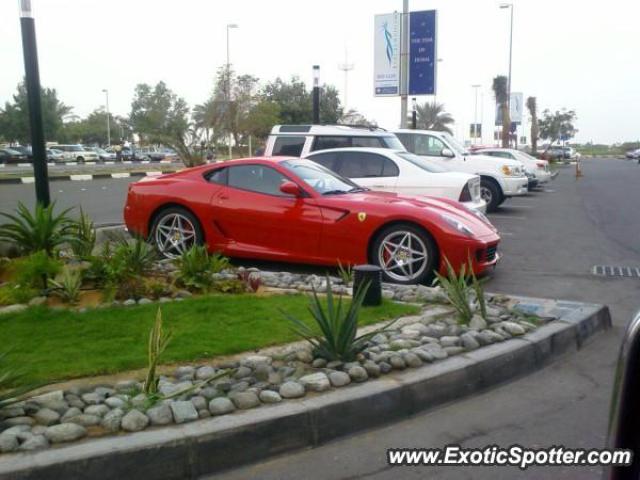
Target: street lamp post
<point>316,94</point>
<point>32,80</point>
<point>106,93</point>
<point>228,82</point>
<point>414,113</point>
<point>510,6</point>
<point>475,115</point>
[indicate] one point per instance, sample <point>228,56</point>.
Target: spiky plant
<point>158,341</point>
<point>501,91</point>
<point>478,287</point>
<point>455,285</point>
<point>196,266</point>
<point>133,258</point>
<point>41,230</point>
<point>335,336</point>
<point>345,272</point>
<point>12,384</point>
<point>67,287</point>
<point>85,236</point>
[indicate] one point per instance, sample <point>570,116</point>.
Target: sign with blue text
<point>386,60</point>
<point>422,53</point>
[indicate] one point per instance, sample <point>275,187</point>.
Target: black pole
<point>32,77</point>
<point>316,94</point>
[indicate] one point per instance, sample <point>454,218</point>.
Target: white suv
<point>76,153</point>
<point>300,140</point>
<point>499,178</point>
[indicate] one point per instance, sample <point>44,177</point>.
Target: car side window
<point>363,165</point>
<point>328,160</point>
<point>326,142</point>
<point>429,146</point>
<point>367,142</point>
<point>409,141</point>
<point>218,176</point>
<point>256,178</point>
<point>288,146</point>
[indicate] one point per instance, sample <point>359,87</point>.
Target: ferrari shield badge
<point>362,216</point>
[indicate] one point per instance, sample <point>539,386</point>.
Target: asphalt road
<point>551,240</point>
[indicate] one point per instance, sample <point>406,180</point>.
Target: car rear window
<point>288,146</point>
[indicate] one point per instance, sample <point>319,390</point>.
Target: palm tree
<point>501,93</point>
<point>431,116</point>
<point>532,106</point>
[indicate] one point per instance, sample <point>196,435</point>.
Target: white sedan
<point>403,173</point>
<point>535,166</point>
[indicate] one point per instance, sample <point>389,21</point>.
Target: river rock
<point>112,420</point>
<point>244,400</point>
<point>47,417</point>
<point>134,421</point>
<point>315,382</point>
<point>449,341</point>
<point>85,420</point>
<point>513,328</point>
<point>477,323</point>
<point>65,432</point>
<point>205,372</point>
<point>8,442</point>
<point>36,442</point>
<point>291,389</point>
<point>397,362</point>
<point>97,410</point>
<point>469,342</point>
<point>358,374</point>
<point>412,360</point>
<point>269,396</point>
<point>221,406</point>
<point>183,411</point>
<point>114,402</point>
<point>339,379</point>
<point>160,415</point>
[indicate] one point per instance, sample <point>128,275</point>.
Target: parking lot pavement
<point>548,251</point>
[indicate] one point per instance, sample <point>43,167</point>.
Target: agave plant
<point>457,291</point>
<point>478,287</point>
<point>338,326</point>
<point>345,272</point>
<point>196,265</point>
<point>41,230</point>
<point>158,341</point>
<point>85,236</point>
<point>68,286</point>
<point>133,258</point>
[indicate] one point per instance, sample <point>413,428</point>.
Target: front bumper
<point>512,186</point>
<point>483,253</point>
<point>543,176</point>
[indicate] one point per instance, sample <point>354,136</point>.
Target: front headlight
<point>480,215</point>
<point>511,171</point>
<point>458,225</point>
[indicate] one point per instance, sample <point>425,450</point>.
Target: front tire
<point>174,231</point>
<point>406,254</point>
<point>491,193</point>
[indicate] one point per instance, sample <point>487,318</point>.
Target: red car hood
<point>418,206</point>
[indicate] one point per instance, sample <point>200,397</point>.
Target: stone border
<point>88,176</point>
<point>205,447</point>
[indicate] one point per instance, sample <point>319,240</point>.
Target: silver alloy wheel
<point>485,194</point>
<point>174,235</point>
<point>403,256</point>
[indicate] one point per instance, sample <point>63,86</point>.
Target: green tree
<point>501,93</point>
<point>158,115</point>
<point>557,126</point>
<point>260,119</point>
<point>295,101</point>
<point>353,117</point>
<point>432,116</point>
<point>532,106</point>
<point>14,117</point>
<point>91,130</point>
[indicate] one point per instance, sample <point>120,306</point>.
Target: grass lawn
<point>53,345</point>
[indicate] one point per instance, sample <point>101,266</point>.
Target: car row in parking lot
<point>58,153</point>
<point>408,201</point>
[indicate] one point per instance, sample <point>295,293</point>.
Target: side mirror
<point>291,188</point>
<point>446,152</point>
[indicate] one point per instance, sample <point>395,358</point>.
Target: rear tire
<point>174,231</point>
<point>406,254</point>
<point>491,193</point>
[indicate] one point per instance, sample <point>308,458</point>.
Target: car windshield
<point>391,141</point>
<point>423,163</point>
<point>527,156</point>
<point>321,179</point>
<point>99,150</point>
<point>455,145</point>
<point>75,148</point>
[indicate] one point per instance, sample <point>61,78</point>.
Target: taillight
<point>465,196</point>
<point>540,164</point>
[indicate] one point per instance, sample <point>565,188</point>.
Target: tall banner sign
<point>422,53</point>
<point>516,107</point>
<point>386,62</point>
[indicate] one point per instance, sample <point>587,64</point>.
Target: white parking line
<point>505,234</point>
<point>28,179</point>
<point>81,177</point>
<point>120,175</point>
<point>548,190</point>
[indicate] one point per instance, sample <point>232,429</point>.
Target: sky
<point>580,55</point>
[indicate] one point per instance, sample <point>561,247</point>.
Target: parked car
<point>570,153</point>
<point>26,151</point>
<point>633,154</point>
<point>538,169</point>
<point>76,153</point>
<point>10,155</point>
<point>401,172</point>
<point>103,154</point>
<point>296,210</point>
<point>150,154</point>
<point>54,155</point>
<point>500,178</point>
<point>300,140</point>
<point>552,153</point>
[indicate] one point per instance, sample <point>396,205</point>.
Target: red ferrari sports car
<point>293,210</point>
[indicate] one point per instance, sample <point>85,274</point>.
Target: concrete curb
<point>210,446</point>
<point>88,176</point>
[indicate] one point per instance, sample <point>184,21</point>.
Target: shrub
<point>68,286</point>
<point>84,236</point>
<point>196,265</point>
<point>133,258</point>
<point>234,285</point>
<point>337,326</point>
<point>42,230</point>
<point>345,272</point>
<point>158,341</point>
<point>35,270</point>
<point>457,291</point>
<point>156,288</point>
<point>11,294</point>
